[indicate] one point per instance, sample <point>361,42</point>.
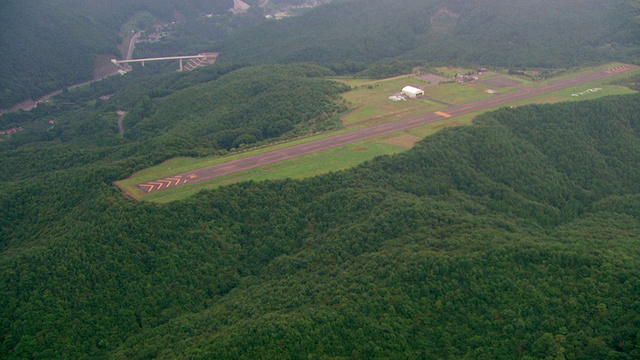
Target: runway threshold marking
<point>150,187</point>
<point>166,182</point>
<point>443,114</point>
<point>158,184</point>
<point>459,109</point>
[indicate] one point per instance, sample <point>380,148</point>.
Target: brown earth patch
<point>404,140</point>
<point>433,78</point>
<point>239,7</point>
<point>444,20</point>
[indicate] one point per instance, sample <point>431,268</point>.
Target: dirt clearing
<point>405,140</point>
<point>434,79</point>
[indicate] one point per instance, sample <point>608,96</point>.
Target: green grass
<point>375,108</point>
<point>453,71</point>
<point>569,74</point>
<point>336,159</point>
<point>362,114</point>
<point>459,93</point>
<point>430,129</point>
<point>183,164</point>
<point>566,94</point>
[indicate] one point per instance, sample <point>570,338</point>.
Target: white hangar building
<point>412,92</point>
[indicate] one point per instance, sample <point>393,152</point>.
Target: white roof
<point>412,90</point>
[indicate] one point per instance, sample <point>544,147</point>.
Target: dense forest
<point>203,112</point>
<point>243,107</point>
<point>513,238</point>
<point>51,44</point>
<point>507,33</point>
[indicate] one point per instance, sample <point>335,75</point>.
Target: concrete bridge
<point>194,61</point>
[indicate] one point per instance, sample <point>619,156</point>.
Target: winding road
<point>270,157</point>
<point>30,104</point>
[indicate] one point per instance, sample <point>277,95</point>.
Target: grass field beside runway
<point>349,155</point>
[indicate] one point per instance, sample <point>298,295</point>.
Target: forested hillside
<point>514,238</point>
<point>478,32</point>
<point>49,44</point>
<point>243,107</point>
<point>203,112</point>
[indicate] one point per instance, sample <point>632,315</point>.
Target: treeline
<point>203,112</point>
<point>632,82</point>
<point>241,108</point>
<point>52,44</point>
<point>390,69</point>
<point>499,33</point>
<point>513,238</point>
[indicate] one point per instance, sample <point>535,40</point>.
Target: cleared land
<point>434,79</point>
<point>501,82</point>
<point>404,140</point>
<point>227,169</point>
<point>373,106</point>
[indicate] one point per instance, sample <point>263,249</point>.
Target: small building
<point>462,78</point>
<point>412,92</point>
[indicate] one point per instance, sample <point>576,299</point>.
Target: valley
<point>104,72</point>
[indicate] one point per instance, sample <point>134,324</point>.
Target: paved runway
<point>270,157</point>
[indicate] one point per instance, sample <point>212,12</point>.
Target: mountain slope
<point>201,112</point>
<point>51,44</point>
<point>484,242</point>
<point>515,237</point>
<point>501,33</point>
<point>253,104</point>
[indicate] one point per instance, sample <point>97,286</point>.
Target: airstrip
<point>280,154</point>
